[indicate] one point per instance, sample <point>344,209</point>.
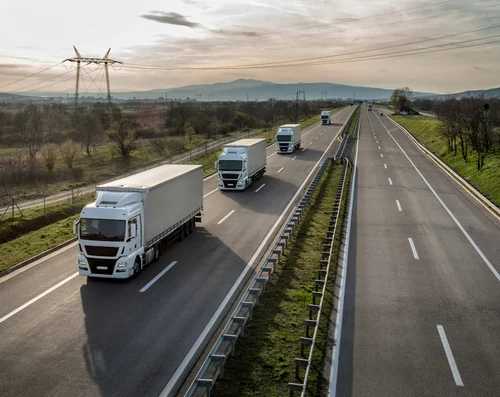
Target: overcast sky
<point>180,34</point>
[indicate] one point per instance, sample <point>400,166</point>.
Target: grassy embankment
<point>426,131</point>
<point>44,233</point>
<point>265,356</point>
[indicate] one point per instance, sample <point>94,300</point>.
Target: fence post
<point>13,206</point>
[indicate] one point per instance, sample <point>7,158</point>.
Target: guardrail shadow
<point>136,340</point>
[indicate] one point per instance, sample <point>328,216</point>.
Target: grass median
<point>427,132</point>
<point>264,361</point>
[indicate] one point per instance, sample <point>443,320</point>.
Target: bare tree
<point>400,98</point>
<point>31,130</point>
<point>178,115</point>
<point>89,130</point>
<point>123,137</point>
<point>68,152</point>
<point>190,132</point>
<point>160,145</point>
<point>49,156</point>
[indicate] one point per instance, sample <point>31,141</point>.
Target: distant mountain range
<point>244,89</point>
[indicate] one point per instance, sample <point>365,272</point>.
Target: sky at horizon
<point>187,42</point>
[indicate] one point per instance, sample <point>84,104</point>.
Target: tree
<point>89,130</point>
<point>123,137</point>
<point>160,145</point>
<point>178,115</point>
<point>190,132</point>
<point>68,152</point>
<point>31,130</point>
<point>400,98</point>
<point>49,156</point>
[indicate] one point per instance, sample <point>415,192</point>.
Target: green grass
<point>426,131</point>
<point>264,361</point>
<point>351,128</point>
<point>35,218</point>
<point>6,151</point>
<point>31,244</point>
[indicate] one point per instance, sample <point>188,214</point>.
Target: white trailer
<point>288,138</point>
<point>326,118</point>
<point>240,163</point>
<point>123,229</point>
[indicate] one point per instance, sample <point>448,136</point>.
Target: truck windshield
<point>102,229</point>
<point>230,165</point>
<point>283,138</point>
<point>325,117</point>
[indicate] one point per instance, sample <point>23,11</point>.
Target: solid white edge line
<point>413,249</point>
<point>209,193</point>
<point>36,298</point>
<point>281,169</point>
<point>471,241</point>
<point>189,356</point>
<point>271,155</point>
<point>390,181</point>
<point>449,356</point>
<point>260,188</point>
<point>399,206</point>
<point>143,289</point>
<point>332,389</point>
<point>227,216</point>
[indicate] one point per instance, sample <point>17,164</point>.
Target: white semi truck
<point>123,229</point>
<point>240,163</point>
<point>288,138</point>
<point>326,117</point>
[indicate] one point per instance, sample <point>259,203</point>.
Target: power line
<point>40,82</point>
<point>31,75</point>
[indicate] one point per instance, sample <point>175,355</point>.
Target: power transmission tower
<point>106,61</point>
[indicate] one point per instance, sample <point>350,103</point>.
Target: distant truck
<point>288,138</point>
<point>369,107</point>
<point>241,163</point>
<point>121,231</point>
<point>326,117</point>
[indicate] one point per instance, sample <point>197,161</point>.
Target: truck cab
<point>326,117</point>
<point>288,138</point>
<point>110,235</point>
<point>233,169</point>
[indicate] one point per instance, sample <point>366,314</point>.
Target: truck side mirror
<point>76,222</point>
<point>133,230</point>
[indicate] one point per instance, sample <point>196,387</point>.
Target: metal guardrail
<point>319,283</point>
<point>345,138</point>
<point>213,366</point>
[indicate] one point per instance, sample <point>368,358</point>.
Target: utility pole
<point>247,96</point>
<point>297,107</point>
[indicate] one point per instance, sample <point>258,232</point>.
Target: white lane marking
<point>227,216</point>
<point>303,149</point>
<point>281,169</point>
<point>390,180</point>
<point>385,166</point>
<point>399,206</point>
<point>322,133</point>
<point>377,142</point>
<point>316,138</point>
<point>36,298</point>
<point>332,389</point>
<point>271,155</point>
<point>311,143</point>
<point>471,241</point>
<point>379,148</point>
<point>294,158</point>
<point>143,289</point>
<point>209,177</point>
<point>381,155</point>
<point>209,193</point>
<point>194,348</point>
<point>413,249</point>
<point>260,187</point>
<point>449,356</point>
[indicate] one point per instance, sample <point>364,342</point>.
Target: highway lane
<point>421,305</point>
<point>106,338</point>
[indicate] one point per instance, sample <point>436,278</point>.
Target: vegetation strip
<point>431,134</point>
<point>265,360</point>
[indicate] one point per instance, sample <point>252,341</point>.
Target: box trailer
<point>122,230</point>
<point>240,163</point>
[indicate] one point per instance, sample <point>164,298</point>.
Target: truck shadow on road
<point>136,340</point>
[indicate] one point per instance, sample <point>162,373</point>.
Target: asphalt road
<point>422,316</point>
<point>106,338</point>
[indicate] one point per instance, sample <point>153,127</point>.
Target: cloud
<point>244,33</point>
<point>170,18</point>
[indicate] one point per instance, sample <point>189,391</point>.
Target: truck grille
<point>101,251</point>
<point>229,183</point>
<point>283,146</point>
<point>230,176</point>
<point>108,263</point>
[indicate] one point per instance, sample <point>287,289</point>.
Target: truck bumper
<point>106,269</point>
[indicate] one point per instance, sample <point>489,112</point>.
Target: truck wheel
<point>157,252</point>
<point>137,267</point>
<point>191,225</point>
<point>182,232</point>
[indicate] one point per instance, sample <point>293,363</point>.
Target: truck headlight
<point>122,264</point>
<point>82,262</point>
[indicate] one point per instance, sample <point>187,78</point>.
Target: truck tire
<point>191,225</point>
<point>137,267</point>
<point>157,252</point>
